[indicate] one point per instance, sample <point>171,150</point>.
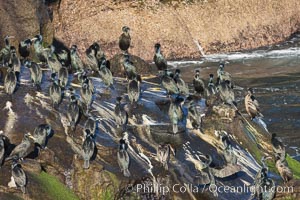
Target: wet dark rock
<point>31,165</point>
<point>142,67</point>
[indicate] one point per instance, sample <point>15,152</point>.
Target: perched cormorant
<point>99,53</point>
<point>175,113</point>
<point>24,48</point>
<point>86,95</point>
<point>55,91</point>
<point>226,93</point>
<point>251,104</point>
<point>169,84</point>
<point>90,124</point>
<point>134,91</point>
<point>159,59</point>
<point>88,148</point>
<point>41,133</point>
<point>163,154</point>
<point>211,88</point>
<point>40,52</point>
<point>63,57</point>
<point>123,159</point>
<point>5,52</point>
<point>193,114</point>
<point>198,83</point>
<point>35,73</point>
<point>63,76</point>
<point>105,73</point>
<point>224,76</point>
<point>76,61</point>
<point>18,176</point>
<point>183,88</point>
<point>124,40</point>
<point>21,150</point>
<point>92,61</point>
<point>10,81</point>
<point>73,112</point>
<point>15,62</point>
<point>129,68</point>
<point>121,116</point>
<point>52,59</point>
<point>277,145</point>
<point>283,168</point>
<point>2,148</point>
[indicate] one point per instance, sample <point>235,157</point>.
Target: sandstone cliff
<point>218,25</point>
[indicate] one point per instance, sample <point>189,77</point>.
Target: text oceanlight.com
<point>190,188</point>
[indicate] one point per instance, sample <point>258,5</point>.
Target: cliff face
<point>217,25</point>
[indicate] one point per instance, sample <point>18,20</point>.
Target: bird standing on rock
<point>211,89</point>
<point>86,96</point>
<point>175,113</point>
<point>21,150</point>
<point>35,73</point>
<point>226,93</point>
<point>123,159</point>
<point>129,68</point>
<point>10,81</point>
<point>15,62</point>
<point>163,154</point>
<point>159,59</point>
<point>169,84</point>
<point>24,48</point>
<point>55,92</point>
<point>134,91</point>
<point>63,76</point>
<point>41,133</point>
<point>2,148</point>
<point>183,88</point>
<point>224,76</point>
<point>88,148</point>
<point>18,176</point>
<point>5,52</point>
<point>125,39</point>
<point>121,116</point>
<point>91,58</point>
<point>105,73</point>
<point>90,124</point>
<point>251,104</point>
<point>39,51</point>
<point>76,61</point>
<point>198,83</point>
<point>73,112</point>
<point>52,59</point>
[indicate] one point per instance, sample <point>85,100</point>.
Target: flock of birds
<point>64,62</point>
